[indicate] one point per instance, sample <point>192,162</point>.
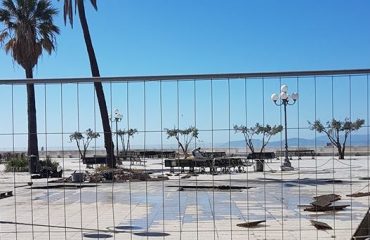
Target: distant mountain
<point>354,140</point>
<point>300,142</point>
<point>239,144</point>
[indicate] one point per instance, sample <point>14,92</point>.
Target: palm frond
<point>9,45</point>
<point>3,36</point>
<point>94,3</point>
<point>68,12</point>
<point>9,6</point>
<point>68,9</point>
<point>47,45</point>
<point>29,29</point>
<point>4,16</point>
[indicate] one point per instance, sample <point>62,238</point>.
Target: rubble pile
<point>112,175</point>
<point>122,175</point>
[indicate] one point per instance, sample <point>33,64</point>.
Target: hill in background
<point>321,141</point>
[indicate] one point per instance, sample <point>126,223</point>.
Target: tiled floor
<point>170,214</point>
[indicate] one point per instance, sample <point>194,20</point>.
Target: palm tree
<point>68,13</point>
<point>28,32</point>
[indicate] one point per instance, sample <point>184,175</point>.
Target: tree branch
<point>265,144</point>
<point>332,140</point>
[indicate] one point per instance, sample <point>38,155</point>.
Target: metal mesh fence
<point>185,166</point>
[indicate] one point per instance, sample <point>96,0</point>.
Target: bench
<point>155,154</point>
<point>94,160</point>
<point>135,160</point>
<point>213,164</point>
<point>263,155</point>
<point>297,153</point>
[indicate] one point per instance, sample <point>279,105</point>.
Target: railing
<point>217,197</point>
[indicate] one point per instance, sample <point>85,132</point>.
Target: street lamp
<point>117,117</point>
<point>283,99</point>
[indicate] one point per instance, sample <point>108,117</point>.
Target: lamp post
<point>283,99</point>
<point>117,117</point>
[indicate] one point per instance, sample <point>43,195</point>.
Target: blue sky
<point>146,37</point>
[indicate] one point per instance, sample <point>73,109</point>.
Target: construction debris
<point>326,209</point>
<point>6,194</point>
<point>186,176</point>
<point>363,229</point>
<point>304,205</point>
<point>325,200</point>
<point>320,225</point>
<point>114,175</point>
<point>250,224</point>
<point>359,194</point>
<point>123,175</point>
<point>208,188</point>
<point>324,203</point>
<point>64,186</point>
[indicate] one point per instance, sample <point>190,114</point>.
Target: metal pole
<point>286,160</point>
<point>117,137</point>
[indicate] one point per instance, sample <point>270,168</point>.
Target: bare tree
<point>183,137</point>
<point>129,133</point>
<point>266,131</point>
<point>82,141</point>
<point>333,129</point>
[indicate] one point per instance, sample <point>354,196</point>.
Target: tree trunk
<point>340,152</point>
<point>343,150</point>
<point>32,152</point>
<point>260,165</point>
<point>109,146</point>
<point>182,147</point>
<point>260,162</point>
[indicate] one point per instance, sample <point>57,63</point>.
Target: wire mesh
<point>161,188</point>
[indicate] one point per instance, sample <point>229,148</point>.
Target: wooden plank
<point>326,208</point>
<point>359,194</point>
<point>320,225</point>
<point>250,224</point>
<point>325,200</point>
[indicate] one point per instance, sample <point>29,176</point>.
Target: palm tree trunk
<point>109,146</point>
<point>33,152</point>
